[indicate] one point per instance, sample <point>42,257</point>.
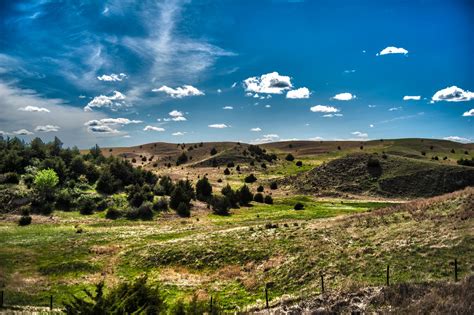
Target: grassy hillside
<point>387,175</point>
<point>232,258</point>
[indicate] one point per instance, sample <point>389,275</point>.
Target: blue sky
<point>125,73</point>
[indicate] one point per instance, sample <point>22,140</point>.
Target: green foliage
<point>183,158</point>
<point>245,196</point>
<point>160,204</point>
<point>299,163</point>
<point>273,185</point>
<point>203,189</point>
<point>298,206</point>
<point>289,157</point>
<point>107,183</point>
<point>250,179</point>
<point>466,162</point>
<point>213,151</point>
<point>45,181</point>
<point>220,205</point>
<point>24,220</point>
<point>258,197</point>
<point>268,200</point>
<point>181,197</point>
<point>226,171</point>
<point>86,204</point>
<point>9,178</point>
<point>127,298</point>
<point>183,209</point>
<point>260,188</point>
<point>164,186</point>
<point>231,195</point>
<point>113,213</point>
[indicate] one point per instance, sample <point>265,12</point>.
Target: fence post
<point>266,295</point>
<point>210,306</point>
<point>455,270</point>
<point>51,302</point>
<point>322,283</point>
<point>388,275</point>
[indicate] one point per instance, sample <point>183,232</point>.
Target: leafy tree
<point>45,182</point>
<point>245,196</point>
<point>203,189</point>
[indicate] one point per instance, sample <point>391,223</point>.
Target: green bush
<point>299,163</point>
<point>45,183</point>
<point>203,189</point>
<point>220,205</point>
<point>213,151</point>
<point>145,211</point>
<point>273,185</point>
<point>299,206</point>
<point>258,197</point>
<point>245,196</point>
<point>113,214</point>
<point>226,171</point>
<point>24,220</point>
<point>161,204</point>
<point>290,157</point>
<point>268,200</point>
<point>183,209</point>
<point>250,179</point>
<point>260,188</point>
<point>10,178</point>
<point>183,158</point>
<point>231,195</point>
<point>65,199</point>
<point>86,204</point>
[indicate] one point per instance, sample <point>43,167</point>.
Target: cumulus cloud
<point>469,113</point>
<point>112,77</point>
<point>113,102</point>
<point>257,129</point>
<point>457,139</point>
<point>344,97</point>
<point>411,97</point>
<point>175,115</point>
<point>324,109</point>
<point>298,93</point>
<point>392,50</point>
<point>218,126</point>
<point>227,107</point>
<point>34,109</point>
<point>179,133</point>
<point>47,128</point>
<point>153,128</point>
<point>270,83</point>
<point>180,91</point>
<point>22,132</point>
<point>360,134</point>
<point>452,94</point>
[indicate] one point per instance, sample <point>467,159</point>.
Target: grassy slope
<point>233,257</point>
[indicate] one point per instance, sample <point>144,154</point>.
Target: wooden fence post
<point>266,295</point>
<point>388,275</point>
<point>51,302</point>
<point>322,283</point>
<point>455,270</point>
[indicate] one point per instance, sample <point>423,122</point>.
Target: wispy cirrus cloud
<point>153,128</point>
<point>35,109</point>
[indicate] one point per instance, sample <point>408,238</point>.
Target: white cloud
<point>180,91</point>
<point>102,129</point>
<point>227,107</point>
<point>112,77</point>
<point>457,139</point>
<point>469,113</point>
<point>349,71</point>
<point>111,121</point>
<point>218,126</point>
<point>233,85</point>
<point>411,97</point>
<point>360,134</point>
<point>298,93</point>
<point>267,138</point>
<point>176,115</point>
<point>316,138</point>
<point>268,106</point>
<point>332,115</point>
<point>371,126</point>
<point>47,128</point>
<point>22,132</point>
<point>392,50</point>
<point>324,109</point>
<point>372,106</point>
<point>270,83</point>
<point>34,109</point>
<point>82,96</point>
<point>344,96</point>
<point>114,101</point>
<point>179,133</point>
<point>219,91</point>
<point>394,109</point>
<point>153,128</point>
<point>452,94</point>
<point>257,129</point>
